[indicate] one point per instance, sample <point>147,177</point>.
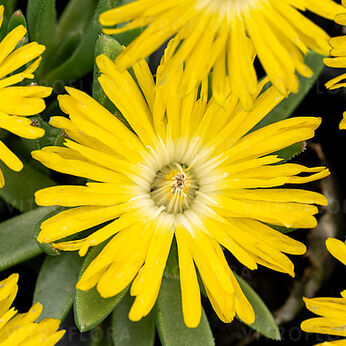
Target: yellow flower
<point>339,60</point>
<point>17,102</point>
<point>21,329</point>
<point>224,36</point>
<point>188,169</point>
<point>332,311</point>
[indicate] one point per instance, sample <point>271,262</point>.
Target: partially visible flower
<point>21,329</point>
<point>224,36</point>
<point>332,311</point>
<point>189,169</point>
<point>339,60</point>
<point>17,102</point>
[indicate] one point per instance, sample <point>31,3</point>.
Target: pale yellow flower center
<point>174,188</point>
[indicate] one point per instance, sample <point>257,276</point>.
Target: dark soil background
<point>274,288</point>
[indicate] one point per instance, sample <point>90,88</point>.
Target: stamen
<point>174,187</point>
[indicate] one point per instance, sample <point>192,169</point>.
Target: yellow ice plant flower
<point>338,60</point>
<point>224,36</point>
<point>21,329</point>
<point>18,102</point>
<point>189,170</point>
<point>332,311</point>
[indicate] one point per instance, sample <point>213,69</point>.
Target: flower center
<point>174,188</point>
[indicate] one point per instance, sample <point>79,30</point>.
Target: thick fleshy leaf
<point>16,19</point>
<point>9,8</point>
<point>61,52</point>
<point>55,285</point>
<point>82,60</point>
<point>101,336</point>
<point>41,15</point>
<point>128,333</point>
<point>111,48</point>
<point>47,248</point>
<point>286,108</point>
<point>90,309</point>
<point>52,136</point>
<point>283,229</point>
<point>17,242</point>
<point>20,186</point>
<point>125,38</point>
<point>264,322</point>
<point>170,323</point>
<point>291,152</point>
<point>72,25</point>
<point>172,265</point>
<point>75,17</point>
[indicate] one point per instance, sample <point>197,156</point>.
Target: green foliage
<point>100,335</point>
<point>291,152</point>
<point>55,285</point>
<point>47,248</point>
<point>264,322</point>
<point>111,48</point>
<point>128,333</point>
<point>9,8</point>
<point>52,136</point>
<point>16,19</point>
<point>41,16</point>
<point>21,186</point>
<point>90,309</point>
<point>17,243</point>
<point>286,108</point>
<point>75,18</point>
<point>172,265</point>
<point>170,323</point>
<point>81,61</point>
<point>283,229</point>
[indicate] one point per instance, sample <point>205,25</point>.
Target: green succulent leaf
<point>47,248</point>
<point>55,285</point>
<point>71,28</point>
<point>286,108</point>
<point>128,333</point>
<point>264,322</point>
<point>81,61</point>
<point>172,265</point>
<point>111,48</point>
<point>9,8</point>
<point>282,229</point>
<point>16,19</point>
<point>170,322</point>
<point>75,18</point>
<point>20,186</point>
<point>53,136</point>
<point>125,38</point>
<point>291,152</point>
<point>61,53</point>
<point>100,336</point>
<point>90,309</point>
<point>17,243</point>
<point>41,15</point>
